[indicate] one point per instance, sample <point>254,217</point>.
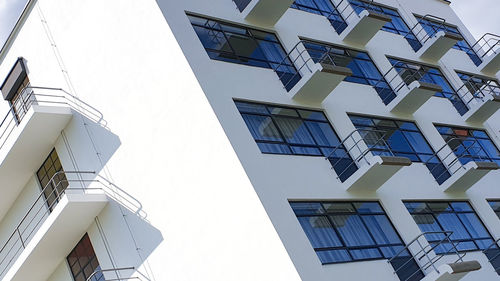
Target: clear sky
<point>480,16</point>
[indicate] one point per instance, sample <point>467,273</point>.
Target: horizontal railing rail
<point>421,33</point>
<point>59,184</point>
<point>470,91</point>
<point>423,256</point>
<point>468,150</point>
<point>359,140</point>
<point>29,97</point>
<point>394,76</point>
<point>488,44</point>
<point>99,275</point>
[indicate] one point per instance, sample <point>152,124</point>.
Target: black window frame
<point>52,191</point>
<point>449,202</point>
<point>359,215</point>
<point>98,276</point>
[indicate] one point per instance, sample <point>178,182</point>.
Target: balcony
<point>317,74</point>
<point>57,219</point>
<point>263,12</point>
<point>28,133</point>
<point>431,265</point>
<point>482,100</point>
<point>408,91</point>
<point>435,42</point>
<point>460,175</point>
<point>361,168</point>
<point>488,50</point>
<point>362,26</point>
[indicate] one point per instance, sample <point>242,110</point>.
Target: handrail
<point>116,271</point>
<point>300,60</point>
<point>452,153</point>
<point>484,47</point>
<point>424,253</point>
<point>48,199</point>
<point>28,97</point>
<point>471,91</point>
<point>336,10</point>
<point>398,68</point>
<point>363,152</point>
<point>424,38</point>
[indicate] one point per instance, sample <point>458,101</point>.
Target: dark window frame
<point>81,271</point>
<point>55,192</point>
<point>339,236</point>
<point>449,202</point>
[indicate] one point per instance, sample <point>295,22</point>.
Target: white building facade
<point>249,140</point>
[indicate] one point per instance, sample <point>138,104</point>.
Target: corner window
<point>83,262</point>
<point>52,179</point>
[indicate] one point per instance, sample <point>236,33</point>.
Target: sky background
<point>480,16</point>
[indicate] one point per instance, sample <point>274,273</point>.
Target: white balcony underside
<point>483,110</point>
<point>491,64</point>
<point>266,12</point>
<point>364,28</point>
<point>410,99</point>
<point>317,85</point>
<point>372,176</point>
<point>438,45</point>
<point>468,175</point>
<point>453,272</point>
<point>57,236</point>
<point>26,148</point>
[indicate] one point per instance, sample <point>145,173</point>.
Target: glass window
<point>363,68</point>
<point>495,205</point>
<point>83,262</point>
<point>52,179</point>
<point>470,144</point>
<point>469,233</point>
<point>430,75</point>
<point>286,130</point>
<point>348,231</point>
<point>22,100</point>
<point>323,8</point>
<point>431,27</point>
<point>401,138</point>
<point>243,45</point>
<point>397,25</point>
<point>479,86</point>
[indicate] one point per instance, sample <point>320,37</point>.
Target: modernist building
<point>311,140</point>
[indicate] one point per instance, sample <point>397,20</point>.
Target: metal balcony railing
<point>399,76</point>
<point>347,11</point>
<point>422,34</point>
<point>425,255</point>
<point>360,145</point>
<point>451,161</point>
<point>60,183</point>
<point>44,96</point>
<point>302,59</point>
<point>470,91</point>
<point>487,45</point>
<point>99,275</point>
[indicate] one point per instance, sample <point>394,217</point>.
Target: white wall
<point>202,182</point>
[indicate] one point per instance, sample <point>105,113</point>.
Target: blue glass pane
<point>381,229</point>
<point>368,207</point>
<point>450,222</point>
<point>261,127</point>
<point>320,232</point>
<point>274,148</point>
<point>473,225</point>
<point>309,208</point>
<point>352,230</point>
<point>363,254</point>
<point>323,134</point>
<point>333,256</point>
